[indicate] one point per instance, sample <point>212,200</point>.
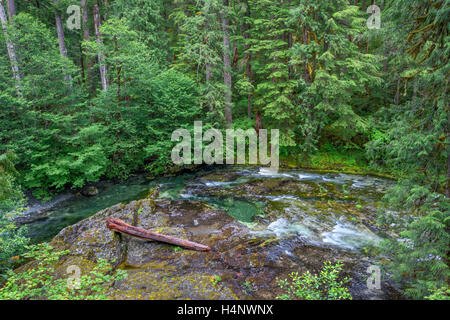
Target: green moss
<point>157,286</point>
<point>335,162</point>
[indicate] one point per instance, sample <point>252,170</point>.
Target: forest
<point>91,91</point>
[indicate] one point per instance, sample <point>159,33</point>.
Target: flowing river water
<point>332,211</point>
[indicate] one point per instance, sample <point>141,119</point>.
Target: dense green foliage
<point>12,238</point>
<point>415,143</point>
<point>10,194</point>
<point>39,281</point>
<point>337,90</point>
<point>327,285</point>
<point>66,139</point>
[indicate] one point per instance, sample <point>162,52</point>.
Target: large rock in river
<point>240,265</point>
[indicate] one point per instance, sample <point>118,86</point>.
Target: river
<point>308,213</point>
<point>295,219</point>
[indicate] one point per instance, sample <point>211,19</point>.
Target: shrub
<point>327,285</point>
<point>12,237</point>
<point>40,282</point>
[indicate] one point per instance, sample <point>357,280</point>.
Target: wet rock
<point>156,270</point>
<point>89,191</point>
<point>220,177</point>
<point>261,187</point>
<point>248,258</point>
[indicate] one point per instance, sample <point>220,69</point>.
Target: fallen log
<point>141,233</point>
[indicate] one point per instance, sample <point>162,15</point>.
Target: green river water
<point>328,214</point>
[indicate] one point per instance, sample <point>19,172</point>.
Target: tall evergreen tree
<point>10,47</point>
<point>332,69</point>
<point>416,144</point>
<point>268,41</point>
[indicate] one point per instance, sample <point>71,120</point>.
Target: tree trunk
<point>141,233</point>
<point>368,41</point>
<point>227,66</point>
<point>305,42</point>
<point>62,42</point>
<point>85,20</point>
<point>82,66</point>
<point>87,61</point>
<point>248,59</point>
<point>447,191</point>
<point>60,31</point>
<point>11,50</point>
<point>397,92</point>
<point>249,95</point>
<point>235,54</point>
<point>11,8</point>
<point>208,70</point>
<point>258,123</point>
<point>101,59</point>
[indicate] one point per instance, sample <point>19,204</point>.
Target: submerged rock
<point>89,191</point>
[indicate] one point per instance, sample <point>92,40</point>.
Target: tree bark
<point>208,70</point>
<point>258,123</point>
<point>101,59</point>
<point>368,41</point>
<point>11,50</point>
<point>397,92</point>
<point>87,61</point>
<point>248,59</point>
<point>250,79</point>
<point>11,8</point>
<point>60,31</point>
<point>84,20</point>
<point>141,233</point>
<point>305,42</point>
<point>447,191</point>
<point>227,66</point>
<point>61,40</point>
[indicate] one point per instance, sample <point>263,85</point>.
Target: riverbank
<point>336,162</point>
<point>320,162</point>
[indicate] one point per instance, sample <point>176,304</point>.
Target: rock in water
<point>89,191</point>
<point>238,259</point>
<point>155,270</point>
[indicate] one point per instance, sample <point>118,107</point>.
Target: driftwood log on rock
<point>141,233</point>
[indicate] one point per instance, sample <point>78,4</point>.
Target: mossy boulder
<point>155,270</point>
<point>258,187</point>
<point>240,258</point>
<point>89,191</point>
